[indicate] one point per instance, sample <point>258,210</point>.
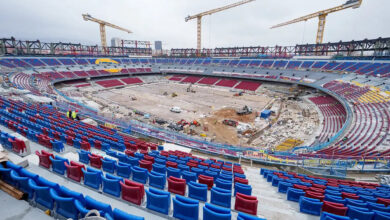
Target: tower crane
<point>322,17</point>
<point>212,11</point>
<point>103,24</point>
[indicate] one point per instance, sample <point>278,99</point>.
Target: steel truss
<point>10,46</point>
<point>377,47</point>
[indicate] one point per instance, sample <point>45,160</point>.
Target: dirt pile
<point>230,113</point>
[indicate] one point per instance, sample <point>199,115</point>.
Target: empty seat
<point>283,186</point>
<point>44,158</point>
<point>242,188</point>
<point>73,171</point>
<point>244,216</point>
<point>123,170</point>
<point>379,215</point>
<point>132,191</point>
<point>157,180</point>
<point>173,172</point>
<point>83,156</point>
<point>241,180</point>
<point>177,185</point>
<point>377,206</point>
<point>185,208</point>
<point>209,181</point>
<point>245,203</point>
<point>92,177</point>
<point>212,212</point>
<point>58,165</point>
<point>111,185</point>
<point>139,174</point>
<point>65,206</point>
<point>108,165</point>
<point>310,205</point>
<point>58,146</point>
<point>157,200</point>
<point>330,216</point>
<point>22,181</point>
<point>197,191</point>
<point>118,214</point>
<point>159,168</point>
<point>41,188</point>
<point>189,176</point>
<point>91,204</point>
<point>360,213</point>
<point>334,208</point>
<point>294,194</point>
<point>224,184</point>
<point>95,160</point>
<point>221,197</point>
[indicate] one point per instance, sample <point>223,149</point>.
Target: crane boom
<point>209,12</point>
<point>322,17</point>
<point>102,25</point>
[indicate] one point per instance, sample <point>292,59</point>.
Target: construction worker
<point>75,116</point>
<point>69,114</point>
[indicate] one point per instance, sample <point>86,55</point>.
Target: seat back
<point>111,185</point>
<point>197,191</point>
<point>212,212</point>
<point>185,208</point>
<point>157,200</point>
<point>245,203</point>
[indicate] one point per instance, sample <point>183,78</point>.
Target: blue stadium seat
<point>221,197</point>
<point>132,161</point>
<point>379,215</point>
<point>123,170</point>
<point>185,208</point>
<point>65,206</point>
<point>58,146</point>
<point>294,194</point>
<point>359,213</point>
<point>283,186</point>
<point>160,161</point>
<point>108,165</point>
<point>159,168</point>
<point>90,204</point>
<point>244,216</point>
<point>224,184</point>
<point>242,188</point>
<point>212,212</point>
<point>58,165</point>
<point>83,156</point>
<point>189,176</point>
<point>118,214</point>
<point>335,199</point>
<point>183,167</point>
<point>22,182</point>
<point>111,185</point>
<point>310,206</point>
<point>358,203</point>
<point>139,174</point>
<point>5,175</point>
<point>197,191</point>
<point>92,177</point>
<point>157,180</point>
<point>377,206</point>
<point>157,200</point>
<point>41,189</point>
<point>330,216</point>
<point>173,172</point>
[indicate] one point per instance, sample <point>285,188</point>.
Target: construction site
<point>264,118</point>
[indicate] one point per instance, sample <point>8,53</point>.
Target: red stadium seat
<point>245,203</point>
<point>95,160</point>
<point>349,195</point>
<point>171,164</point>
<point>241,180</point>
<point>177,185</point>
<point>73,171</point>
<point>208,180</point>
<point>132,191</point>
<point>44,158</point>
<point>85,145</point>
<point>315,195</point>
<point>146,164</point>
<point>334,208</point>
<point>149,158</point>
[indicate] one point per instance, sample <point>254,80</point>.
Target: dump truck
<point>244,111</point>
<point>230,122</point>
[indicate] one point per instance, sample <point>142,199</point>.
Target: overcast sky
<point>245,25</point>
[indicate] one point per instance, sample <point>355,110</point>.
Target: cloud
<point>246,25</point>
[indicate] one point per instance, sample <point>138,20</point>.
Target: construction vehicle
<point>182,122</point>
<point>322,17</point>
<point>239,93</point>
<point>244,111</point>
<point>230,122</point>
<point>210,12</point>
<point>103,24</point>
<point>174,94</point>
<point>176,109</point>
<point>195,123</point>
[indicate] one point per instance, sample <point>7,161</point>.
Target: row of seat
<point>61,200</point>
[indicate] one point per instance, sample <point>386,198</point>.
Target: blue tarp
<point>265,114</point>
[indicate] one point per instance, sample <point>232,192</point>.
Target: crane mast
<point>322,17</point>
<point>210,12</point>
<point>102,26</point>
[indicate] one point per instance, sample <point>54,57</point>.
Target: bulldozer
<point>174,94</point>
<point>189,89</point>
<point>246,110</point>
